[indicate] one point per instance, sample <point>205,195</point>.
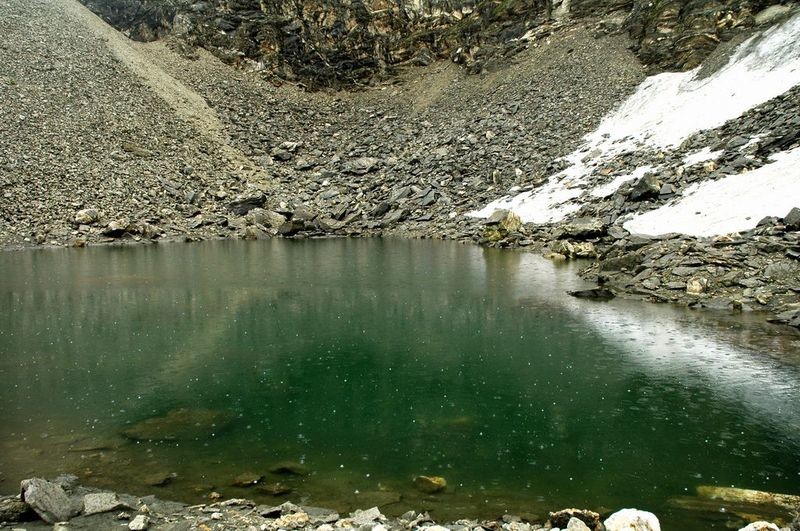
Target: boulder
<point>696,285</point>
<point>632,520</point>
<point>792,219</point>
<point>760,526</point>
<point>87,216</point>
<point>562,518</point>
<point>582,228</point>
<point>292,227</point>
<point>645,188</point>
<point>244,204</point>
<point>116,228</point>
<point>102,502</point>
<point>500,224</point>
<point>266,218</point>
<point>49,500</point>
<point>575,249</point>
<point>430,484</point>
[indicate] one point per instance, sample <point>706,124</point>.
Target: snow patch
<point>608,189</point>
<point>731,204</point>
<point>703,155</point>
<point>666,110</point>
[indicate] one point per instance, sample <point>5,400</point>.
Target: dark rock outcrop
<point>324,43</point>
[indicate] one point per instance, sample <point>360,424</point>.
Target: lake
<point>360,364</point>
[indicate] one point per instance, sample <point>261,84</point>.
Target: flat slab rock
<point>102,502</point>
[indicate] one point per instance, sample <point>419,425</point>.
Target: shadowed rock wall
<point>351,42</point>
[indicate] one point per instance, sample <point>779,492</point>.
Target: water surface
<point>373,361</point>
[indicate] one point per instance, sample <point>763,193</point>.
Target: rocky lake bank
<point>63,504</point>
<point>411,157</point>
<point>105,141</point>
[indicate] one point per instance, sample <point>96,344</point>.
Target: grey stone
<point>49,500</point>
<point>632,520</point>
<point>576,524</point>
<point>139,523</point>
<point>645,188</point>
<point>581,228</point>
<point>792,219</point>
<point>102,502</point>
<point>243,205</point>
<point>87,216</point>
<point>361,166</point>
<point>13,509</point>
<point>683,271</point>
<point>772,14</point>
<point>366,517</point>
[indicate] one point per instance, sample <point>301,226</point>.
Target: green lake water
<point>370,362</point>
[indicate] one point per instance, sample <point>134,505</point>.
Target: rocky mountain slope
<point>87,153</point>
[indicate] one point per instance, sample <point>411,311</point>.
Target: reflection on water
<point>370,362</point>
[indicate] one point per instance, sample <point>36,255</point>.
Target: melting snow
<point>665,110</point>
<point>731,204</point>
<point>703,155</point>
<point>608,189</point>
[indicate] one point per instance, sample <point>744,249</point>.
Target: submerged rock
<point>290,468</point>
<point>595,293</point>
<point>159,479</point>
<point>247,479</point>
<point>179,424</point>
<point>430,484</point>
<point>275,489</point>
<point>632,520</point>
<point>755,497</point>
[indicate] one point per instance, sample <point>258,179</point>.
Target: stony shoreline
<point>63,504</point>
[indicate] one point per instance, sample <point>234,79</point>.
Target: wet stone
<point>430,484</point>
<point>290,468</point>
<point>247,479</point>
<point>179,424</point>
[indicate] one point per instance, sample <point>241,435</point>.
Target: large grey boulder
<point>49,500</point>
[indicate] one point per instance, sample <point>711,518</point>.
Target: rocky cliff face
<point>679,34</point>
<point>351,42</point>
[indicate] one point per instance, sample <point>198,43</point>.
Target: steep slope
<point>88,125</point>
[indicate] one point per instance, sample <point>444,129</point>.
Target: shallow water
<point>373,361</point>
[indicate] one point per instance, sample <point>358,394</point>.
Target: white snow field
<point>665,110</point>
